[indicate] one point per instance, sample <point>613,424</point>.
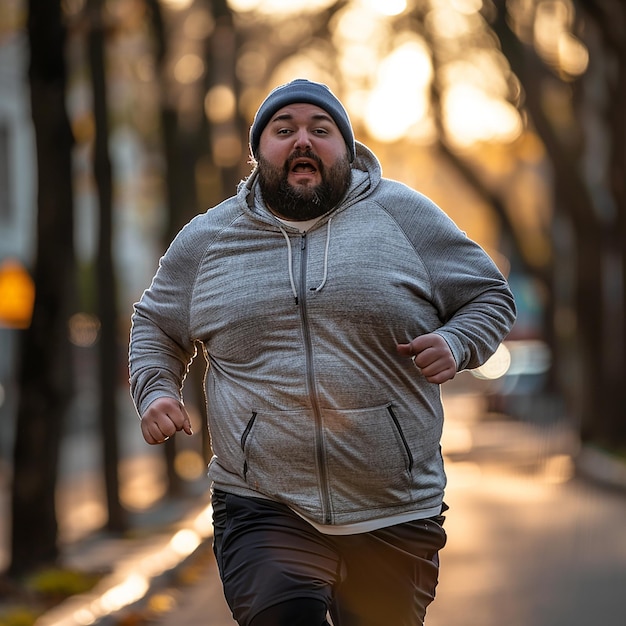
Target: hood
<point>366,176</point>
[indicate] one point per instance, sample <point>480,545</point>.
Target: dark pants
<point>278,570</point>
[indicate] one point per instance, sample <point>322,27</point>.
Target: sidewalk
<point>141,565</point>
<point>161,536</point>
<point>136,565</point>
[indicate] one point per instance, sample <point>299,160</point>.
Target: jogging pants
<point>277,570</point>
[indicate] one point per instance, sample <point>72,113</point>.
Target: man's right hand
<point>163,419</point>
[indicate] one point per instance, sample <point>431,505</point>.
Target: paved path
<point>200,603</point>
<point>529,543</point>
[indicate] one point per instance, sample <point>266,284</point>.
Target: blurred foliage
<point>18,616</point>
<point>23,602</point>
<point>58,583</point>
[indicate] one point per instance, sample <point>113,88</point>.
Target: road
<point>530,544</point>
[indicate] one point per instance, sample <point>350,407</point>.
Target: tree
<point>45,371</point>
<point>180,150</point>
<point>580,119</point>
<point>105,280</point>
<point>203,154</point>
<point>600,102</point>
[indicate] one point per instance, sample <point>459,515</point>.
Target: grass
<point>23,602</point>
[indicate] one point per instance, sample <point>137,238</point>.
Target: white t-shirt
<point>302,226</point>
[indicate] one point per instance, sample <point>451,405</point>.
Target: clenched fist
<point>432,356</point>
<point>163,419</point>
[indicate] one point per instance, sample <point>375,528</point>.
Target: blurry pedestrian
<point>330,303</point>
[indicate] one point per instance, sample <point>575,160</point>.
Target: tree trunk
<point>601,102</point>
<point>587,380</point>
<point>45,371</point>
<point>180,185</point>
<point>221,59</point>
<point>105,279</point>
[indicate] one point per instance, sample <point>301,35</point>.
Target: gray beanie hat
<point>306,91</point>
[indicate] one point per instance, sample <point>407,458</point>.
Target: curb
<point>601,467</point>
<point>135,574</point>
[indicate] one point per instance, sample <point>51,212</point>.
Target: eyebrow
<point>315,117</point>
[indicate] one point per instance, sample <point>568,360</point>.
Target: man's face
<point>303,163</point>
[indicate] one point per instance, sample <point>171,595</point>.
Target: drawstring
<point>325,275</point>
<point>290,262</point>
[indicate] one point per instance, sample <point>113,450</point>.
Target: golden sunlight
<point>387,7</point>
<point>84,329</point>
<point>471,115</point>
<point>220,104</point>
<point>447,23</point>
<point>185,541</point>
<point>128,591</point>
<point>554,40</point>
<point>357,60</point>
<point>179,5</point>
<point>485,69</point>
<point>573,55</point>
<point>400,97</point>
<point>244,5</point>
<point>496,366</point>
<point>355,24</point>
<point>282,7</point>
<point>189,464</point>
<point>467,6</point>
<point>188,69</point>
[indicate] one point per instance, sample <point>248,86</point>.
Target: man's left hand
<point>432,356</point>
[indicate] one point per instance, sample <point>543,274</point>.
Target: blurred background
<point>122,119</point>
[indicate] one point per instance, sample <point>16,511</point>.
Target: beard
<point>303,202</point>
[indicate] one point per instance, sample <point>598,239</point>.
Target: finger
<point>426,358</point>
<point>405,349</point>
<point>417,345</point>
<point>186,425</point>
<point>186,422</point>
<point>164,427</point>
<point>152,434</point>
<point>441,377</point>
<point>439,372</point>
<point>180,419</point>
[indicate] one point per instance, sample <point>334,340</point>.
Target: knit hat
<point>306,91</point>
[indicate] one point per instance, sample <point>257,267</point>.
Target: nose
<point>302,139</point>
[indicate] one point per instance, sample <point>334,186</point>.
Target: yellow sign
<point>17,295</point>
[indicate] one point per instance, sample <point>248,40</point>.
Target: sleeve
<point>161,348</point>
<point>472,297</point>
<point>476,305</point>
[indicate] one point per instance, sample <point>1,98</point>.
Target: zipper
<point>405,443</point>
<point>310,375</point>
<point>244,438</point>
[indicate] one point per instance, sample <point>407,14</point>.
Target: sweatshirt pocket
<point>369,459</point>
<point>279,455</point>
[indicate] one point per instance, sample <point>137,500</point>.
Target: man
<point>330,304</point>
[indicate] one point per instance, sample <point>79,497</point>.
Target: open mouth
<point>303,166</point>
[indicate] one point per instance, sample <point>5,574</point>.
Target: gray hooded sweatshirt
<point>309,403</point>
